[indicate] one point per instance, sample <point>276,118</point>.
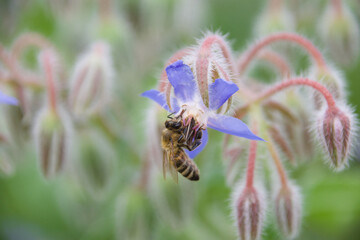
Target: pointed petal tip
<point>233,126</point>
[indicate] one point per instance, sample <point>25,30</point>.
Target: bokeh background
<point>102,196</point>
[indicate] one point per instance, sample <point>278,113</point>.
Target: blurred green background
<point>109,204</point>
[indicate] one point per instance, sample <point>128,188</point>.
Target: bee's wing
<point>165,163</point>
<point>173,171</point>
<point>169,166</point>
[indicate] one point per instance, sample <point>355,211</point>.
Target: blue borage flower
<point>7,99</point>
<point>188,102</point>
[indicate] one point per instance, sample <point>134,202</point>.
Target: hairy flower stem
<point>11,63</point>
<point>249,55</point>
<point>275,4</point>
<point>275,156</point>
<point>28,40</point>
<point>252,159</point>
<point>202,63</point>
<point>288,83</point>
<point>49,72</point>
<point>299,81</point>
<point>337,5</point>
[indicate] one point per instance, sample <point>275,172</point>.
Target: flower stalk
<point>252,159</point>
<point>289,83</point>
<point>250,54</point>
<point>203,63</point>
<point>48,61</point>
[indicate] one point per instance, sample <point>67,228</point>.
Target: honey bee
<point>175,137</point>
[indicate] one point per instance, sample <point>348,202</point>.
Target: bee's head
<point>173,124</point>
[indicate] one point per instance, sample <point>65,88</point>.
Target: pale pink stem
<point>10,62</point>
<point>279,167</point>
<point>27,40</point>
<point>105,7</point>
<point>285,84</point>
<point>202,63</point>
<point>251,160</point>
<point>249,55</point>
<point>337,5</point>
<point>299,81</point>
<point>275,4</point>
<point>50,72</point>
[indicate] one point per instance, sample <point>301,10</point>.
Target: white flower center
<point>196,112</point>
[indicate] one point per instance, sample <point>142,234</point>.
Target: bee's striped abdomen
<point>186,167</point>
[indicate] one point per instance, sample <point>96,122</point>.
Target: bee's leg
<point>195,145</point>
<point>186,146</point>
<point>189,125</point>
<point>180,138</point>
<point>198,135</point>
<point>170,115</point>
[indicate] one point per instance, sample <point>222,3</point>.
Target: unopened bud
<point>95,164</point>
<point>340,32</point>
<point>335,128</point>
<point>91,81</point>
<point>51,133</point>
<point>275,18</point>
<point>249,212</point>
<point>288,210</point>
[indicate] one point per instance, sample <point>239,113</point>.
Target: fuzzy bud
<point>335,128</point>
<point>288,210</point>
<point>51,132</point>
<point>249,208</point>
<point>340,32</point>
<point>275,18</point>
<point>95,164</point>
<point>91,81</point>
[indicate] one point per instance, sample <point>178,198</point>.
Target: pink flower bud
<point>335,129</point>
<point>51,132</point>
<point>288,210</point>
<point>91,81</point>
<point>249,208</point>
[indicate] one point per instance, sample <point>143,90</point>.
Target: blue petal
<point>7,99</point>
<point>159,97</point>
<point>233,126</point>
<point>182,79</point>
<point>196,151</point>
<point>220,91</point>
